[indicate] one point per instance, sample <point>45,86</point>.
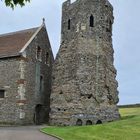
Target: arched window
<point>91,22</point>
<point>47,58</point>
<point>39,53</point>
<point>69,24</point>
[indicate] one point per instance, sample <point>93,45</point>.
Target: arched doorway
<point>89,122</point>
<point>99,122</point>
<point>79,122</point>
<point>37,114</point>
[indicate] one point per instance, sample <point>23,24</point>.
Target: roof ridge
<point>20,31</point>
<point>32,37</point>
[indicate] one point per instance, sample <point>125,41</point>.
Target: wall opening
<point>109,28</point>
<point>2,94</point>
<point>79,122</point>
<point>109,96</point>
<point>89,96</point>
<point>47,58</point>
<point>41,84</point>
<point>89,122</point>
<point>69,24</point>
<point>99,122</point>
<point>61,92</point>
<point>39,53</point>
<point>91,22</point>
<point>110,25</point>
<point>37,115</point>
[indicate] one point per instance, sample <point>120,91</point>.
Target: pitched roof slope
<point>12,43</point>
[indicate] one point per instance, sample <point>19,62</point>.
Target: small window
<point>41,84</point>
<point>2,94</point>
<point>69,24</point>
<point>91,21</point>
<point>110,25</point>
<point>47,58</point>
<point>39,53</point>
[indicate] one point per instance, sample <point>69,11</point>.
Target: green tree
<point>13,3</point>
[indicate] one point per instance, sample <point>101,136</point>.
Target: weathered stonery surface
<point>25,79</point>
<point>84,86</point>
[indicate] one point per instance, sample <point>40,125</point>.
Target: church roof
<point>11,44</point>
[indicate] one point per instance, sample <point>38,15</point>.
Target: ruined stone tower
<point>84,86</point>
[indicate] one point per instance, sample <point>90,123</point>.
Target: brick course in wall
<point>24,103</point>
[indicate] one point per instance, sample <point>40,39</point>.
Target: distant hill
<point>129,106</point>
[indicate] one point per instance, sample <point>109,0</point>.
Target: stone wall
<point>9,75</point>
<point>35,69</point>
<point>84,86</point>
<point>20,78</point>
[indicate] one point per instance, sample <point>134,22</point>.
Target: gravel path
<point>23,133</point>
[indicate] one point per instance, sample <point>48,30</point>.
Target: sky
<point>126,36</point>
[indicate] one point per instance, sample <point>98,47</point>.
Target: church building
<point>25,76</point>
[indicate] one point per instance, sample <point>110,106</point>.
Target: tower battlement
<point>79,17</point>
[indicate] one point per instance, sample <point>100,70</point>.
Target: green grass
<point>128,128</point>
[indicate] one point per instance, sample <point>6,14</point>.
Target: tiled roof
<point>12,43</point>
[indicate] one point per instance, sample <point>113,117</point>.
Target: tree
<point>13,3</point>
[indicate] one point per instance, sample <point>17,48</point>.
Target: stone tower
<point>84,86</point>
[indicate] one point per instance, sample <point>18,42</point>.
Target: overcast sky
<point>126,36</point>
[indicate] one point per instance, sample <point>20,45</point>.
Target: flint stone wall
<point>84,82</point>
<point>19,77</point>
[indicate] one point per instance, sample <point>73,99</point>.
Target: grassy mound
<point>128,128</point>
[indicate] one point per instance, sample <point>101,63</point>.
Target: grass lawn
<point>128,128</point>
